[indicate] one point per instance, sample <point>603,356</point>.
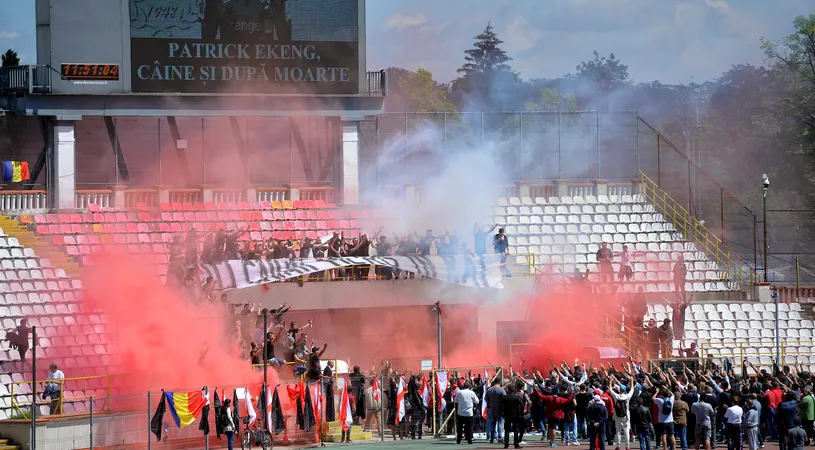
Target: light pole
<point>765,184</point>
<point>777,336</point>
<point>437,310</point>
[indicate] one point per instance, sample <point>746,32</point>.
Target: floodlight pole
<point>766,245</point>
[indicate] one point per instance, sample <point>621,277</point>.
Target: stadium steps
<point>41,247</point>
<point>6,444</point>
<point>335,433</point>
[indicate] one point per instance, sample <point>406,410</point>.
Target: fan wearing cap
<point>622,422</point>
<point>314,369</point>
<point>554,405</point>
<point>596,416</point>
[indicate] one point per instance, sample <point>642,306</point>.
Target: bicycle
<point>254,433</point>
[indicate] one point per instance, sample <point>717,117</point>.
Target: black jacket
<point>512,407</point>
<point>596,413</point>
<point>641,418</point>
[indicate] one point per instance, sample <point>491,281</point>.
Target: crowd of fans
<point>617,405</point>
<point>222,245</point>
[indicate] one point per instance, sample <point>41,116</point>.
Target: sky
<point>672,41</point>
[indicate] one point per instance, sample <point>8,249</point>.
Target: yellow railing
<point>19,407</point>
<point>694,231</point>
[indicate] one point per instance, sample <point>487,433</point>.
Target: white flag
<point>247,398</point>
<point>400,401</point>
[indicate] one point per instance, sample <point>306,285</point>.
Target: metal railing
<point>377,83</point>
<point>32,79</point>
<point>22,408</point>
<point>691,229</point>
<point>85,198</point>
<point>23,200</point>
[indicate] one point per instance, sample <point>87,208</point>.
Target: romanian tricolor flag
<point>15,171</point>
<point>185,406</point>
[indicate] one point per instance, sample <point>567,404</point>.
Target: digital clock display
<point>91,71</point>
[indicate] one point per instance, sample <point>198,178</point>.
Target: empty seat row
<point>645,222</point>
<point>636,209</point>
<point>576,200</point>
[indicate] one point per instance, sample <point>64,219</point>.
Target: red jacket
<point>773,398</point>
<point>609,403</point>
<point>554,404</point>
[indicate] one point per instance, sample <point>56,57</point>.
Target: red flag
<point>400,401</point>
<point>266,287</point>
<point>375,389</point>
<point>346,417</point>
<point>424,392</point>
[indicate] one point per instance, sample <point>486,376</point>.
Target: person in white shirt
<point>465,401</point>
<point>53,387</point>
<point>733,417</point>
<point>665,418</point>
<point>622,421</point>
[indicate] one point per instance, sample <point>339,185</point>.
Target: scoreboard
<point>203,47</point>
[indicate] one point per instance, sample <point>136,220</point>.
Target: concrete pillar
<point>117,197</point>
<point>163,193</point>
<point>206,193</point>
<point>411,194</point>
<point>62,158</point>
<point>294,191</point>
<point>561,188</point>
<point>600,187</point>
<point>636,186</point>
<point>251,193</point>
<point>349,179</point>
<point>524,189</point>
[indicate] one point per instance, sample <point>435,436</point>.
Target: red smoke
<point>161,336</point>
<point>565,326</point>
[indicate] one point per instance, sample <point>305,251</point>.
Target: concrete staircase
<point>6,444</point>
<point>42,248</point>
<point>335,433</point>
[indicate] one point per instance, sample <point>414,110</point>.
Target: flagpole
<point>437,310</point>
<point>381,407</point>
<point>265,363</point>
<point>435,406</point>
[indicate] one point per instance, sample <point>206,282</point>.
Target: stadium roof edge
<point>193,106</point>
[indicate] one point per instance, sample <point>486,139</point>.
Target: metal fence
<point>790,248</point>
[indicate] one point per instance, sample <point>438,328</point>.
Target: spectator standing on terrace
<point>733,417</point>
<point>622,420</point>
<point>53,388</point>
<point>681,420</point>
<point>749,424</point>
<point>18,338</point>
<point>357,379</point>
<point>678,316</point>
<point>626,270</point>
<point>383,248</point>
<point>500,246</point>
<point>231,243</point>
<point>373,406</point>
<point>314,365</point>
<point>604,258</point>
<point>425,242</point>
<point>229,425</point>
<point>666,337</point>
<point>680,273</point>
<point>665,419</point>
<point>269,345</point>
<point>480,234</point>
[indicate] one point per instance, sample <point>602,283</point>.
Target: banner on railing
<point>469,270</point>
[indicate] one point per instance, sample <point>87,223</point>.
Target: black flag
<point>330,414</point>
<point>277,414</point>
<point>204,424</point>
<point>219,424</point>
<point>157,422</point>
<point>236,418</point>
<point>308,419</point>
<point>262,405</point>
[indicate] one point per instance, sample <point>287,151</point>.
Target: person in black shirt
<point>604,258</point>
<point>680,273</point>
<point>383,248</point>
<point>268,347</point>
<point>255,354</point>
<point>512,407</point>
<point>231,244</point>
<point>425,242</point>
<point>582,399</point>
<point>357,380</point>
<point>217,254</point>
<point>18,338</point>
<point>313,373</point>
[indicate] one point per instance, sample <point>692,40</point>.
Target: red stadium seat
<point>299,225</point>
<point>309,204</point>
<point>243,206</point>
<point>94,208</point>
<point>40,218</point>
<point>300,215</point>
<point>297,204</point>
<point>344,224</point>
<point>265,205</point>
<point>278,215</point>
<point>319,204</point>
<point>42,229</point>
<point>289,215</point>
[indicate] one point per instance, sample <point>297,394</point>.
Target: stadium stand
<point>566,232</point>
<point>745,330</point>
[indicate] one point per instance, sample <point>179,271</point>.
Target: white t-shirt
<point>56,375</point>
<point>733,415</point>
<point>465,402</point>
<point>661,417</point>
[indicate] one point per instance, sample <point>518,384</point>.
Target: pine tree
<point>10,58</point>
<point>485,73</point>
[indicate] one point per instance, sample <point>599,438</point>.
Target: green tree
<point>486,78</point>
<point>606,73</point>
<point>10,58</point>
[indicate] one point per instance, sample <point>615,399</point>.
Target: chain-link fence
<point>399,148</point>
<point>790,250</point>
